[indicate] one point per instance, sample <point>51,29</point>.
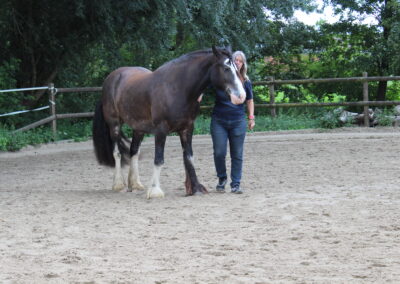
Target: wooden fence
<point>271,85</point>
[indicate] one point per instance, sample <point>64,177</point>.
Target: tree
<point>43,35</point>
<point>384,45</point>
<point>342,50</point>
<point>47,37</point>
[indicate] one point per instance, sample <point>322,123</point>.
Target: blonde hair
<point>243,70</point>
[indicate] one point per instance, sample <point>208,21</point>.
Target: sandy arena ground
<point>318,208</point>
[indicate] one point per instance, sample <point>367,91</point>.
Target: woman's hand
<point>251,123</point>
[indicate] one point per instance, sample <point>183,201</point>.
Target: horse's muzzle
<point>235,98</point>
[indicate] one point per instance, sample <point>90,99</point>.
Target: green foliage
<point>343,49</point>
<point>76,130</point>
<point>345,54</point>
<point>7,73</point>
<point>331,119</point>
<point>285,122</point>
<point>9,101</point>
<point>78,43</point>
<point>385,117</point>
<point>202,125</point>
<point>393,91</point>
<point>376,45</point>
<point>10,141</point>
<point>66,130</point>
<point>261,94</point>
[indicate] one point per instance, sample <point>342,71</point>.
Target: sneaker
<point>221,184</point>
<point>236,189</point>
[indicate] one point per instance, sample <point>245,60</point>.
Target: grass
<point>14,141</point>
<point>81,130</point>
<point>286,122</point>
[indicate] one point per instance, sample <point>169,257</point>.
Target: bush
<point>14,141</point>
<point>385,117</point>
<point>330,119</point>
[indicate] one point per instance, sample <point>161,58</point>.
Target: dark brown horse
<point>159,102</point>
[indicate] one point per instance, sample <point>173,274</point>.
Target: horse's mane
<point>188,56</point>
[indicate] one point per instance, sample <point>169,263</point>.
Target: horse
<point>159,103</point>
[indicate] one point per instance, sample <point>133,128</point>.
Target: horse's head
<point>224,76</point>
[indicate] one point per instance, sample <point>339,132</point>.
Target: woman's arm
<point>250,112</point>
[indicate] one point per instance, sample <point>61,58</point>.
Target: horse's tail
<point>103,143</point>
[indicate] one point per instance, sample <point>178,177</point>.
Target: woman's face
<point>238,62</point>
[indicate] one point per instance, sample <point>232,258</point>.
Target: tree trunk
<point>381,93</point>
<point>386,14</point>
<point>179,37</point>
<point>39,94</point>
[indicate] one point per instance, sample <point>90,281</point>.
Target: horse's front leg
<point>155,189</point>
<point>192,184</point>
<point>133,176</point>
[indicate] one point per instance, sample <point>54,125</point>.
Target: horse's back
<point>124,94</point>
<point>124,74</point>
<point>117,80</point>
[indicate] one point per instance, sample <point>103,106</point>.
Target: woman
<point>228,123</point>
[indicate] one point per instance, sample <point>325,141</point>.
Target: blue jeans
<point>234,131</point>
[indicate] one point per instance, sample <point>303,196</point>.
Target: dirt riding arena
<point>318,208</point>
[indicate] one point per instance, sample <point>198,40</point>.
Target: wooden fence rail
<point>327,80</point>
<point>271,82</point>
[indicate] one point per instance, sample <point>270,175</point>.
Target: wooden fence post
<point>52,102</point>
<point>365,98</point>
<point>271,88</point>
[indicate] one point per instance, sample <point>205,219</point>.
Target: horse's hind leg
<point>118,183</point>
<point>155,189</point>
<point>133,176</point>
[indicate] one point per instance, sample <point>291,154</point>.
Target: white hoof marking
<point>136,186</point>
<point>155,192</point>
<point>118,185</point>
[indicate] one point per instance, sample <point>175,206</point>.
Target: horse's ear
<point>216,52</point>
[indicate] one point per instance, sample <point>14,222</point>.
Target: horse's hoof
<point>136,186</point>
<point>199,190</point>
<point>203,189</point>
<point>155,192</point>
<point>118,187</point>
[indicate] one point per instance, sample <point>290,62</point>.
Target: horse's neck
<point>190,78</point>
<point>199,73</point>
